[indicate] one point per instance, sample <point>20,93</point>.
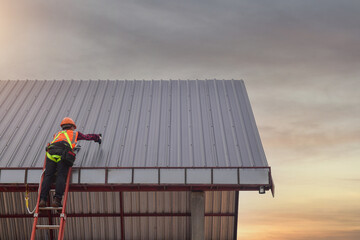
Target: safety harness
<point>57,158</point>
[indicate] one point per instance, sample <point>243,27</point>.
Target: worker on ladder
<point>60,156</point>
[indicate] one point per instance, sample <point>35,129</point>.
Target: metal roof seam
<point>179,155</point>
<point>169,112</point>
<point>233,122</point>
<point>158,129</point>
<point>145,126</point>
<point>110,107</point>
<point>135,123</point>
<point>223,134</point>
<point>189,124</point>
<point>148,122</point>
<point>114,132</point>
<point>203,155</point>
<point>211,126</point>
<point>231,117</point>
<point>124,137</point>
<point>164,129</point>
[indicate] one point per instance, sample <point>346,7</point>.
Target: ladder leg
<point>36,215</point>
<point>63,216</point>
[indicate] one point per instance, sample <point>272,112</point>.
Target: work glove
<point>100,138</point>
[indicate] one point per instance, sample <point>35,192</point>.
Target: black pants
<point>51,168</point>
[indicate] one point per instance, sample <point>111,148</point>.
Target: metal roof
<point>185,128</point>
<point>161,139</point>
<point>144,123</point>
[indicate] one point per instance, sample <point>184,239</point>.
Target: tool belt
<point>61,151</point>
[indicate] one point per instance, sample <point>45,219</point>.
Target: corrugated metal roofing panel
<point>144,123</point>
<point>148,215</point>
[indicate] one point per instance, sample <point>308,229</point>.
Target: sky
<point>300,61</point>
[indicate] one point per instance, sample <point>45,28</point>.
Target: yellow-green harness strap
<point>57,158</point>
<point>66,135</point>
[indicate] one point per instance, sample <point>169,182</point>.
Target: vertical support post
<point>197,215</point>
<point>122,216</point>
<point>236,214</point>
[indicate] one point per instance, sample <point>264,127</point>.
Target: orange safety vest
<point>69,136</point>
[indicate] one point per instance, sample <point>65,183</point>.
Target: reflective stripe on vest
<point>72,143</point>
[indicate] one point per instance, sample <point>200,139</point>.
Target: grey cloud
<point>231,36</point>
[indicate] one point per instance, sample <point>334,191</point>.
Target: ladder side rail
<point>63,216</point>
<point>36,215</point>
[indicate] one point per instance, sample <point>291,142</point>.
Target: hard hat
<point>68,121</point>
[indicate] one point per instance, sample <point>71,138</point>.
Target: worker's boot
<point>42,203</point>
<point>56,202</point>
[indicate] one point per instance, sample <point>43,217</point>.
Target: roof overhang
<point>147,179</point>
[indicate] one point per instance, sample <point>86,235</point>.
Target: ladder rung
<point>50,208</point>
<point>47,226</point>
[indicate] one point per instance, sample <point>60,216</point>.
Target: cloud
<point>181,39</point>
<point>300,222</point>
<point>350,179</point>
<point>304,234</point>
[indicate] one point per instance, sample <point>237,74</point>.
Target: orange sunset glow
<point>300,61</point>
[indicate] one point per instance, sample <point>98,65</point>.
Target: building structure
<point>167,146</point>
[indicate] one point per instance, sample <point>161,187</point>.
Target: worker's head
<point>68,124</point>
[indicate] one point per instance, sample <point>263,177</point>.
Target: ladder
<point>60,227</point>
